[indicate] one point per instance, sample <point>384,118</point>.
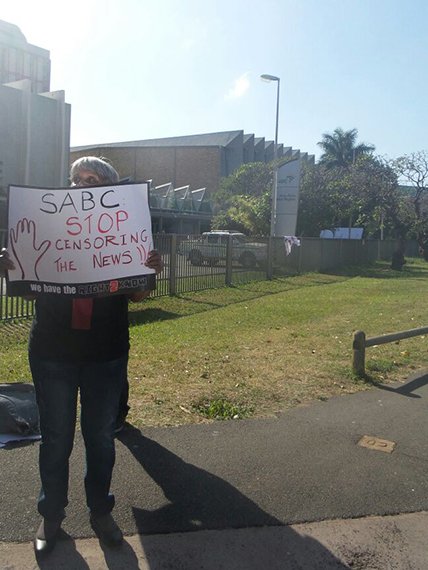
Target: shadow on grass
<point>381,270</point>
<point>301,281</point>
<point>151,315</point>
<point>147,315</point>
<point>236,294</point>
<point>368,379</point>
<point>14,331</point>
<point>209,304</point>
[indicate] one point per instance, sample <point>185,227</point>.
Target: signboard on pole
<point>287,198</point>
<point>79,242</point>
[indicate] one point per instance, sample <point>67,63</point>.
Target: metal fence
<point>230,267</point>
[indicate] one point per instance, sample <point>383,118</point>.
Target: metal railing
<point>182,274</point>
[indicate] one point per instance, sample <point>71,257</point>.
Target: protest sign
<point>81,241</point>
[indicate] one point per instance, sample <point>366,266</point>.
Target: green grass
<point>262,347</point>
<point>222,409</point>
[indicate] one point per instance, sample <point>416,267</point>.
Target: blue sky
<point>138,69</point>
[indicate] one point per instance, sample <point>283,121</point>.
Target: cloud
<point>240,87</point>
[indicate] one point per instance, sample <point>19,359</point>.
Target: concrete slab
<point>375,543</point>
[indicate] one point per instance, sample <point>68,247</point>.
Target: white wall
<point>34,137</point>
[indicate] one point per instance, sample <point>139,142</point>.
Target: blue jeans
<point>57,385</point>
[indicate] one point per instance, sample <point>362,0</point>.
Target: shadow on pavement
<point>65,555</point>
<point>407,388</point>
<point>199,500</point>
<point>123,557</point>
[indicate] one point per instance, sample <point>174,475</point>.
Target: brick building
<point>195,162</point>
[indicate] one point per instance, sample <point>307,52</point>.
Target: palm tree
<point>340,148</point>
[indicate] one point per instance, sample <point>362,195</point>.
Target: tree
<point>340,148</point>
<point>413,169</point>
<point>364,194</point>
<point>374,186</point>
<point>243,201</point>
<point>316,207</point>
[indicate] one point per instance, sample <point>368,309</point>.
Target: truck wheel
<point>195,257</point>
<point>248,260</point>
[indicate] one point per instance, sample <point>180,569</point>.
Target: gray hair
<point>99,165</point>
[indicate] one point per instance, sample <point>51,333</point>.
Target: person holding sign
<point>80,345</point>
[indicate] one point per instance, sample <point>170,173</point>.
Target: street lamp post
<point>267,77</point>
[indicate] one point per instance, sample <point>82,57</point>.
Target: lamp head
<point>267,77</point>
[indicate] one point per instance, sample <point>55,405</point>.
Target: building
<point>194,162</point>
<point>21,60</point>
<point>34,124</point>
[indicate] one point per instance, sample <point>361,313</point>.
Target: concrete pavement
<point>296,491</point>
<point>376,543</point>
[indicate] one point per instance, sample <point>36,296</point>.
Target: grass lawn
<point>259,348</point>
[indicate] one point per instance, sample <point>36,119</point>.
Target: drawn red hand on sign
<point>25,250</point>
<point>142,251</point>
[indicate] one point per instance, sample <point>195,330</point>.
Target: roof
<point>209,139</point>
<point>11,34</point>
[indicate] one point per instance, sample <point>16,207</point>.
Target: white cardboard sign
<point>81,241</point>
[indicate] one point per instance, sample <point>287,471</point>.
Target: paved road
<point>241,484</point>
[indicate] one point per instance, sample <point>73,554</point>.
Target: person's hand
<point>6,264</point>
<point>154,261</point>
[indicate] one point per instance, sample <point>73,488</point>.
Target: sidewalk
<point>377,543</point>
<point>245,486</point>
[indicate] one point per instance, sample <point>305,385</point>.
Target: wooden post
<point>359,353</point>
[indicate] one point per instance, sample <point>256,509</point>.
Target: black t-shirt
<point>54,336</point>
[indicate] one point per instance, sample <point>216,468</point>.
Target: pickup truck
<point>211,247</point>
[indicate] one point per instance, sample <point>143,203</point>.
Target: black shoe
<point>106,529</point>
<point>47,535</point>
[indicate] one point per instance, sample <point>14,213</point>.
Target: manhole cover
<point>377,443</point>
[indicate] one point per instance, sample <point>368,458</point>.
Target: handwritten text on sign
<point>71,236</point>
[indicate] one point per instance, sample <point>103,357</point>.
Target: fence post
<point>321,263</point>
<point>299,261</point>
<point>228,277</point>
<point>173,265</point>
<point>269,265</point>
<point>359,353</point>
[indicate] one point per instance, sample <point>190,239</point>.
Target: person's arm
<point>153,261</point>
<point>138,296</point>
<point>6,264</point>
